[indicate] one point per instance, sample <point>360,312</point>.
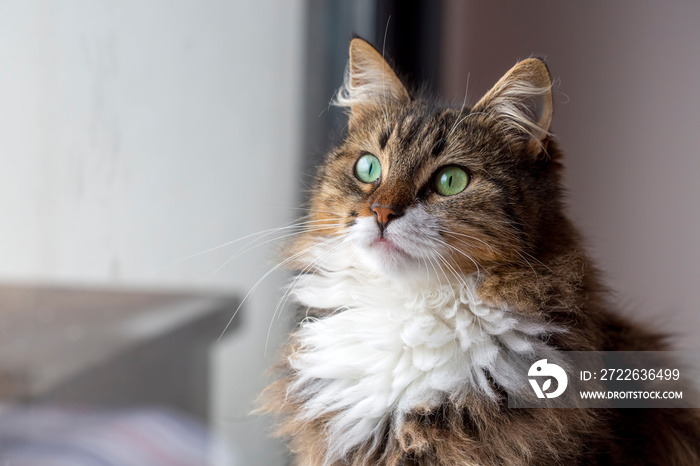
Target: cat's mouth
<point>403,246</point>
<point>385,244</point>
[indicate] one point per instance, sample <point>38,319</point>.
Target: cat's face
<point>415,186</point>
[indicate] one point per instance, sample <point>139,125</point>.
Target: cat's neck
<point>387,347</point>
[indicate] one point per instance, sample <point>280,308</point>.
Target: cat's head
<point>416,184</point>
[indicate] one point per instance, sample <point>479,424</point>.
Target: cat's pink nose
<point>384,214</point>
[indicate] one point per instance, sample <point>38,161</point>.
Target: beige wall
<point>627,117</point>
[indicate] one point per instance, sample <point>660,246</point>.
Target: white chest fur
<point>391,347</point>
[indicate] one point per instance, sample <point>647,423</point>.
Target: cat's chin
<point>386,257</point>
<point>402,251</point>
<point>387,247</point>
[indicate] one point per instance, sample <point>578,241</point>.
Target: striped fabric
<point>77,436</point>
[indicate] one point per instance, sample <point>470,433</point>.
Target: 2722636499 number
<point>639,374</point>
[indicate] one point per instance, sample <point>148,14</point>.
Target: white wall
<point>626,115</point>
<point>134,133</point>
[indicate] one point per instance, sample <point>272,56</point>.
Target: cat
<point>437,243</point>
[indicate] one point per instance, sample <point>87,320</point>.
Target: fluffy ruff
<point>391,347</point>
<point>389,372</point>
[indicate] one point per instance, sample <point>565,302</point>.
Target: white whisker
<point>461,109</point>
<point>263,233</point>
<point>386,108</point>
<point>267,274</point>
<point>537,277</point>
<point>468,236</point>
<point>252,245</point>
<point>314,264</point>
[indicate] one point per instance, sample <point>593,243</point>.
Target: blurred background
<point>139,139</point>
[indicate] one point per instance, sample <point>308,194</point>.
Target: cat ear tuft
<point>369,80</point>
<point>522,100</point>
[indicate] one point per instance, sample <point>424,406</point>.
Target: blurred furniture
<point>59,436</point>
<point>107,347</point>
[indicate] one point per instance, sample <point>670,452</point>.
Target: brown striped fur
<point>530,257</point>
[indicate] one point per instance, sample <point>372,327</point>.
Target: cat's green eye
<point>450,181</point>
<point>368,169</point>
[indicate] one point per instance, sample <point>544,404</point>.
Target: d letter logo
<point>542,369</point>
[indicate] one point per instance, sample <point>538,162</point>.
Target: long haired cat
<point>439,256</point>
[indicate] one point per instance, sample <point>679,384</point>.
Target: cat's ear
<point>522,101</point>
<point>370,83</point>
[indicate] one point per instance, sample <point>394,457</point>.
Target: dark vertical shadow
<point>412,45</point>
<point>412,39</point>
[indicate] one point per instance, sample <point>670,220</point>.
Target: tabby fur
<point>517,246</point>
